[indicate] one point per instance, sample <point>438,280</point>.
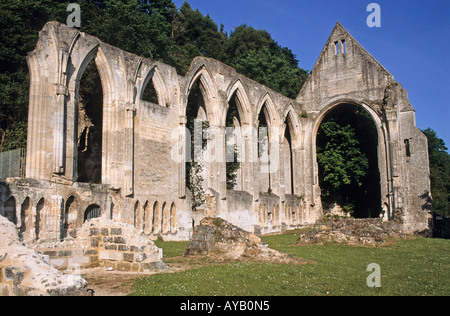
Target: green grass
<point>171,249</point>
<point>417,266</point>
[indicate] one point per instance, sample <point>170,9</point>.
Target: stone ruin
<point>124,159</point>
<point>221,241</point>
<point>356,232</point>
<point>38,271</point>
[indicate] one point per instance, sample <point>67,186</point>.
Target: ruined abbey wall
<point>141,165</point>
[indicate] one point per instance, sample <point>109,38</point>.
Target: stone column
<point>129,150</point>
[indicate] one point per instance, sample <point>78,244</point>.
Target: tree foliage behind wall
<point>439,172</point>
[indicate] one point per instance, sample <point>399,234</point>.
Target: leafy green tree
<point>341,160</point>
<point>245,38</point>
<point>256,55</point>
<point>195,35</point>
<point>347,155</point>
<point>272,70</point>
<point>440,172</point>
<point>134,27</point>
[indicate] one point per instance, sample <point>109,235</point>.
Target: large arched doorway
<point>347,154</point>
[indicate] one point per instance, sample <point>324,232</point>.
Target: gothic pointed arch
<point>379,170</point>
<point>209,92</point>
<point>94,55</point>
<point>289,136</point>
<point>153,79</point>
<point>237,90</point>
<point>266,104</point>
<point>292,122</point>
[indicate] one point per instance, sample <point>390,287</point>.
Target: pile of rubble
<point>352,232</point>
<point>222,241</point>
<point>23,272</point>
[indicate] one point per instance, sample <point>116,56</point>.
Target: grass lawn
<point>416,266</point>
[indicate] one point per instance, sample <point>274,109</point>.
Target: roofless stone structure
<point>125,159</point>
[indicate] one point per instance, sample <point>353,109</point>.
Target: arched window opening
<point>148,219</point>
<point>156,219</point>
<point>288,159</point>
<point>26,219</point>
<point>90,126</point>
<point>264,150</point>
<point>39,218</point>
<point>165,224</point>
<point>10,210</point>
<point>347,156</point>
<point>93,211</point>
<point>197,124</point>
<point>71,220</point>
<point>138,216</point>
<point>233,145</point>
<point>149,93</point>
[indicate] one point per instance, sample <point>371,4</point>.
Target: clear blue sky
<point>413,42</point>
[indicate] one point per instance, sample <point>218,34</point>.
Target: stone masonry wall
<point>106,244</point>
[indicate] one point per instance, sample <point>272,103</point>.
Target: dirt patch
<point>117,283</point>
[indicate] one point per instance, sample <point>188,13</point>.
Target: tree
<point>270,69</point>
<point>195,35</point>
<point>20,23</point>
<point>343,163</point>
<point>439,172</point>
<point>256,55</point>
<point>134,27</point>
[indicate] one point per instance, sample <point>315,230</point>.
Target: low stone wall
<point>104,243</point>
